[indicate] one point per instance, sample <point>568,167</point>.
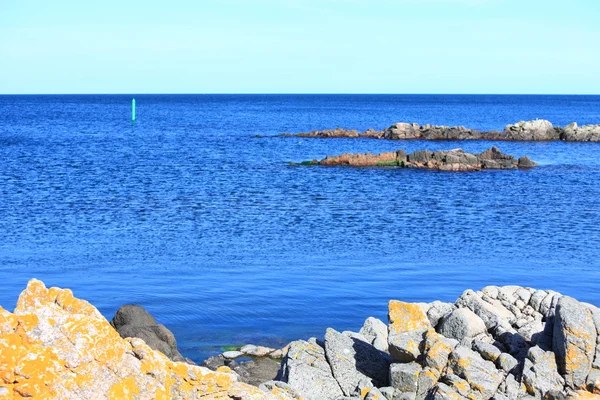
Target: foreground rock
<point>498,343</point>
<point>536,130</point>
<point>450,160</point>
<point>55,346</point>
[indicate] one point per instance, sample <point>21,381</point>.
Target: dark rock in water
<point>536,130</point>
<point>253,371</point>
<point>450,160</point>
<point>134,321</point>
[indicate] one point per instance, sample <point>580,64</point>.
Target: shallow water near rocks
<point>213,231</point>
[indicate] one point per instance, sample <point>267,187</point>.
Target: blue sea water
<point>189,214</point>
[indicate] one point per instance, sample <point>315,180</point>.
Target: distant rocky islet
<point>535,130</point>
<point>449,160</point>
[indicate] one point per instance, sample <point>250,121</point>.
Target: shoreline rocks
<point>449,160</point>
<point>535,130</point>
<point>501,343</point>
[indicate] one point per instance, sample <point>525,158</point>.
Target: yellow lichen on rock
<point>406,317</point>
<point>57,346</point>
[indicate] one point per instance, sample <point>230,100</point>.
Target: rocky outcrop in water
<point>498,343</point>
<point>536,130</point>
<point>450,160</point>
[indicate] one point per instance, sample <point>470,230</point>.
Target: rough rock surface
<point>55,346</point>
<point>483,356</point>
<point>306,369</point>
<point>450,160</point>
<point>133,321</point>
<point>535,130</point>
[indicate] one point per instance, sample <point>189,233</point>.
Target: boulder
<point>481,375</point>
<point>306,369</point>
<point>538,130</point>
<point>407,326</point>
<point>460,324</point>
<point>540,373</point>
<point>353,361</point>
<point>134,321</point>
<point>574,341</point>
<point>404,378</point>
<point>376,333</point>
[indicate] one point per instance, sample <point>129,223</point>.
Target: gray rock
<point>256,371</point>
<point>487,350</point>
<point>306,370</point>
<point>376,333</point>
<point>438,310</point>
<point>374,394</point>
<point>279,387</point>
<point>405,377</point>
<point>232,354</point>
<point>481,375</point>
<point>256,351</point>
<point>506,362</point>
<point>525,162</point>
<point>460,324</point>
<point>491,315</point>
<point>135,322</point>
<point>540,373</point>
<point>134,315</point>
<point>353,360</point>
<point>536,299</point>
<point>387,392</point>
<point>437,349</point>
<point>574,341</point>
<point>538,129</point>
<point>593,381</point>
<point>428,378</point>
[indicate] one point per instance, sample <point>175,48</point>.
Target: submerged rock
<point>449,160</point>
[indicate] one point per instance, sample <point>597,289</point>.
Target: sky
<point>300,46</point>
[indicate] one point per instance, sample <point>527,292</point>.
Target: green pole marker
<point>133,110</point>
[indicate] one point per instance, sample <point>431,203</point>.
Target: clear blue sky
<point>300,46</point>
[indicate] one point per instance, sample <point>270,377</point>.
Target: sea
<point>197,212</point>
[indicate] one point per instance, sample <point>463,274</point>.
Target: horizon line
<point>296,94</point>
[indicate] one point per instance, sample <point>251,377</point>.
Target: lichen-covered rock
<point>353,361</point>
<point>540,373</point>
<point>306,369</point>
<point>481,375</point>
<point>55,346</point>
<point>405,377</point>
<point>574,341</point>
<point>407,326</point>
<point>437,349</point>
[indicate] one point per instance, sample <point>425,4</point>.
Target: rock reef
<point>450,160</point>
<point>536,130</point>
<point>498,343</point>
